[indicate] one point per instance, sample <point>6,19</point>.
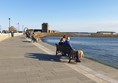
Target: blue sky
<point>62,15</point>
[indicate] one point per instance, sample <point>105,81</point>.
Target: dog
<point>81,53</point>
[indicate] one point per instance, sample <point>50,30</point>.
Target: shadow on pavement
<point>27,41</point>
<point>43,57</point>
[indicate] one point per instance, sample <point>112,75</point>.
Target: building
<point>37,30</point>
<point>53,31</point>
<point>45,27</point>
<point>34,30</point>
<point>106,32</point>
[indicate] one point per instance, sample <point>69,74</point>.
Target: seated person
<point>33,37</point>
<point>68,44</point>
<point>62,40</point>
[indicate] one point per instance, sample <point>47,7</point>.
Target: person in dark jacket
<point>62,40</point>
<point>12,34</point>
<point>68,44</point>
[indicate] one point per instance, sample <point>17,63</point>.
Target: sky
<point>61,15</point>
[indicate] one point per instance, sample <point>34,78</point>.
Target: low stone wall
<point>5,36</point>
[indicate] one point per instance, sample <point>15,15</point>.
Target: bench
<point>63,49</point>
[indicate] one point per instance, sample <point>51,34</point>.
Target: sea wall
<point>6,36</point>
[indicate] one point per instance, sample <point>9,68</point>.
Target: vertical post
<point>9,23</point>
<point>18,26</point>
<point>22,28</point>
<point>0,29</point>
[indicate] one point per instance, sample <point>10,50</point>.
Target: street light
<point>18,27</point>
<point>22,27</point>
<point>0,29</point>
<point>9,23</point>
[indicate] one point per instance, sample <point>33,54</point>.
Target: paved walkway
<point>25,62</point>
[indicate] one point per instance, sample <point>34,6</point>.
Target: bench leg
<point>69,56</point>
<point>77,58</point>
<point>56,53</point>
<point>69,61</point>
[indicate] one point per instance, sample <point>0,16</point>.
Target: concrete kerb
<point>90,73</point>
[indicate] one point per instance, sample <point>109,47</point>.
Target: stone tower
<point>45,27</point>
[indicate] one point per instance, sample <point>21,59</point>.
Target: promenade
<point>24,62</point>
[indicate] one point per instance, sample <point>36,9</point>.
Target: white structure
<point>106,32</point>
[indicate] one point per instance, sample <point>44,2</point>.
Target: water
<point>103,50</point>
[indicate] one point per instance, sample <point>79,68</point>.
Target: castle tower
<point>45,27</point>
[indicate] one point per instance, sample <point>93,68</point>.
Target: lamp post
<point>0,29</point>
<point>9,23</point>
<point>22,27</point>
<point>18,26</point>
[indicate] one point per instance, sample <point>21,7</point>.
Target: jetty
<point>22,61</point>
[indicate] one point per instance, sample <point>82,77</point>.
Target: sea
<point>103,50</point>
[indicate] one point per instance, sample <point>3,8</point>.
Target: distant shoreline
<point>42,35</point>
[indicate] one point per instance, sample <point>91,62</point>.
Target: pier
<point>22,61</point>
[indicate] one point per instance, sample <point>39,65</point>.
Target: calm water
<point>104,50</point>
